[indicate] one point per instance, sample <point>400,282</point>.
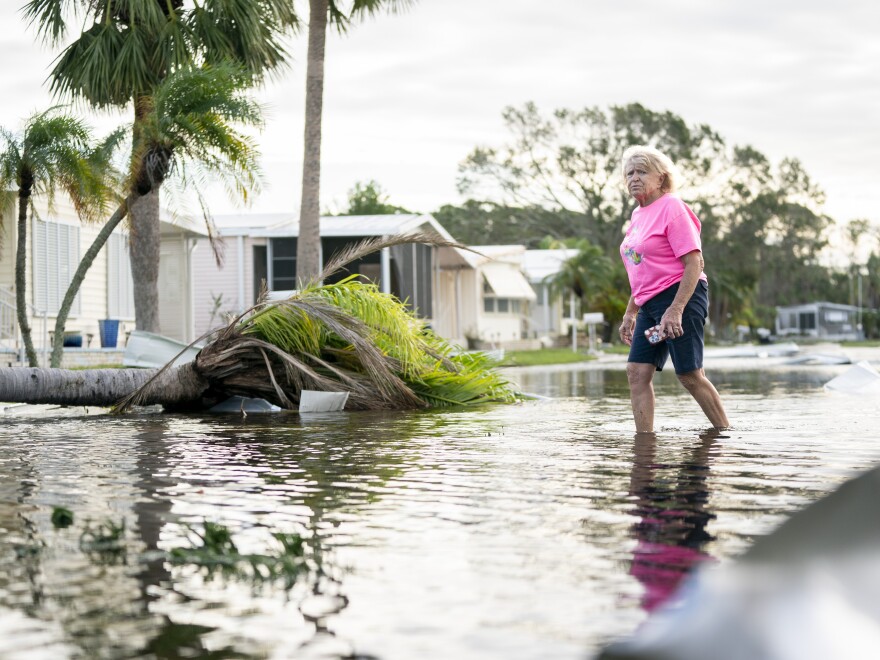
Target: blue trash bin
<point>109,329</point>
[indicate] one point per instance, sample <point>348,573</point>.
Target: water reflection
<point>671,504</point>
<point>588,381</point>
<point>521,532</point>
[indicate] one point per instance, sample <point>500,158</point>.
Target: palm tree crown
<point>53,151</point>
<point>133,44</point>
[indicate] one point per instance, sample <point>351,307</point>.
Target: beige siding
<point>175,299</point>
<point>93,303</point>
<point>210,281</point>
<point>173,290</point>
<point>446,315</point>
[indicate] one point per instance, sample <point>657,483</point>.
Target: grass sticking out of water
<point>215,551</point>
<point>105,542</point>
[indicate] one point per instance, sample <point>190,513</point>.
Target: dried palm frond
<point>347,336</point>
<point>369,245</point>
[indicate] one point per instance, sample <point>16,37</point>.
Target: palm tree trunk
<point>174,387</point>
<point>80,274</point>
<point>145,250</point>
<point>21,282</point>
<point>308,248</point>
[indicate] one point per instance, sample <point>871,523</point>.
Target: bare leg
<point>706,395</point>
<point>641,394</point>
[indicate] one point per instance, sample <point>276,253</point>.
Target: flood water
<point>540,530</point>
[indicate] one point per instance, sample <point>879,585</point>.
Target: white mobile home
<point>56,242</point>
<point>822,320</point>
<point>550,313</point>
<point>497,298</point>
<point>261,251</point>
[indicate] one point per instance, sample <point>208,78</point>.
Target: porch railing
<point>8,326</point>
<point>9,335</point>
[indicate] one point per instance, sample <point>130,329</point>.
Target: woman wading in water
<point>670,293</point>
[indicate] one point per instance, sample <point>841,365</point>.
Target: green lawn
<point>544,356</point>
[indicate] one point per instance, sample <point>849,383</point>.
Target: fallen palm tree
<point>347,336</point>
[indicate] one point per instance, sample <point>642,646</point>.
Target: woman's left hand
<point>671,323</point>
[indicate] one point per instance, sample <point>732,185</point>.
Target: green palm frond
<point>53,152</point>
<point>341,19</point>
<point>347,336</point>
<point>128,46</point>
<point>190,132</point>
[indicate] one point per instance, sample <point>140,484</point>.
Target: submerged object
<point>313,401</point>
<point>819,358</point>
<point>749,350</point>
<point>147,349</point>
<point>807,591</point>
<point>861,378</point>
<point>243,404</point>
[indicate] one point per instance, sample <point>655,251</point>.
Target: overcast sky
<point>408,96</point>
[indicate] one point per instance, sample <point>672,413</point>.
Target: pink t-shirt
<point>659,234</point>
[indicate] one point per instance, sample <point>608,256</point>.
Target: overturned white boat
<point>861,378</point>
<point>808,591</point>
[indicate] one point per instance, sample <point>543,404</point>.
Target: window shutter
<point>55,258</point>
<point>38,263</point>
<point>120,287</point>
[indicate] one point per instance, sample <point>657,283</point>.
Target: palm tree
<point>189,134</point>
<point>51,152</point>
<point>345,336</point>
<point>125,51</point>
<point>321,12</point>
<point>595,279</point>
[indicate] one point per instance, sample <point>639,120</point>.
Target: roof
<point>511,253</point>
<point>540,264</point>
<point>277,225</point>
<point>507,281</point>
<point>815,305</point>
<point>284,225</point>
<point>183,226</point>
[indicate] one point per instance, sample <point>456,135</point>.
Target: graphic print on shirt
<point>629,252</point>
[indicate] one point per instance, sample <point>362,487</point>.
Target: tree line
<point>557,181</point>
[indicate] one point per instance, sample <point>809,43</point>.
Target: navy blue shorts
<point>687,350</point>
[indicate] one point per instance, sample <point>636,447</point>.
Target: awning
<point>507,281</point>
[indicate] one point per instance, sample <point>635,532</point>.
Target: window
<point>413,265</point>
<point>120,288</point>
<point>283,264</point>
<point>808,320</point>
<point>56,257</point>
<point>835,316</point>
<point>502,305</point>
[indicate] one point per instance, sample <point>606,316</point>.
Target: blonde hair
<point>656,161</point>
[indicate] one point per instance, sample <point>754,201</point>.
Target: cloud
<point>409,95</point>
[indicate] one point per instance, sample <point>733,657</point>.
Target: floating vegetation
<point>105,542</point>
<point>216,552</point>
<point>62,517</point>
<point>28,551</point>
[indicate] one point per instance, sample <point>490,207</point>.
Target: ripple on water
<point>529,531</point>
